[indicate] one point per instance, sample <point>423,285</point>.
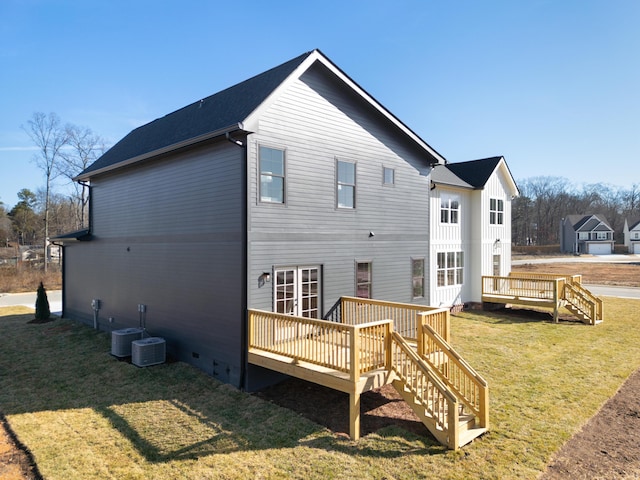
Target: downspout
<point>244,340</point>
<point>64,262</point>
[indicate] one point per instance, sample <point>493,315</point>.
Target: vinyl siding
<point>168,234</point>
<point>446,237</point>
<point>316,124</point>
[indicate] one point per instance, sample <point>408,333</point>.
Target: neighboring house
<point>282,193</point>
<point>632,235</point>
<point>586,234</point>
<point>470,231</point>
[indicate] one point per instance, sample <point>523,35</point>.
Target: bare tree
<point>50,137</point>
<point>84,148</point>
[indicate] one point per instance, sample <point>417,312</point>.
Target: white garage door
<point>599,248</point>
<point>636,248</point>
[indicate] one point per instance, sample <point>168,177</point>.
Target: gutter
<point>176,146</point>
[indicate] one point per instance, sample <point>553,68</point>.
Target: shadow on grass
<point>168,412</point>
<point>520,315</point>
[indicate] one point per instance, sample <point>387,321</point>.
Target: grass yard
<point>84,414</point>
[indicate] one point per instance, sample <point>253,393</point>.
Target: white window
<point>603,235</point>
<point>388,176</point>
<point>450,268</point>
<point>583,236</point>
<point>417,277</point>
<point>636,235</point>
<point>449,209</point>
<point>496,211</point>
<point>363,279</point>
<point>346,184</point>
<point>272,175</point>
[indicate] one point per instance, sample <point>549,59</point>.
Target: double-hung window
<point>345,184</point>
<point>449,209</point>
<point>417,277</point>
<point>450,268</point>
<point>496,211</point>
<point>272,175</point>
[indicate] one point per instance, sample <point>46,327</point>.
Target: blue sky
<point>554,86</point>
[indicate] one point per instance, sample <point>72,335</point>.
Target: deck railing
<point>439,403</point>
<point>355,311</point>
<point>470,387</point>
<point>548,276</point>
<point>353,349</point>
<point>531,288</point>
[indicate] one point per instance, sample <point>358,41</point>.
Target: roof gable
<point>589,223</point>
<point>224,112</point>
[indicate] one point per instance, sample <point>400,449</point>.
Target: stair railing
<point>429,391</point>
<point>455,372</point>
<point>586,302</point>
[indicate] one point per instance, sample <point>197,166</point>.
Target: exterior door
<point>297,291</point>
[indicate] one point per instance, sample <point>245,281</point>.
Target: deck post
<point>556,300</point>
<point>354,415</point>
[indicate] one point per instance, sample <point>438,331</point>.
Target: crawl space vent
<point>121,341</point>
<point>148,351</point>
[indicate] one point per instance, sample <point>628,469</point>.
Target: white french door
<point>297,291</point>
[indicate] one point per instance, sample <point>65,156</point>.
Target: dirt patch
<point>379,408</point>
<point>16,463</point>
<point>619,274</point>
<point>608,446</point>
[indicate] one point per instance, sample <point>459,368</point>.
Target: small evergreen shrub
<point>42,304</point>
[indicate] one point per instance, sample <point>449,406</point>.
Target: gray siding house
<point>590,234</point>
<point>282,193</point>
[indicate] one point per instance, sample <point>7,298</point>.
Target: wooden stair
<point>582,304</point>
<point>430,395</point>
<point>467,426</point>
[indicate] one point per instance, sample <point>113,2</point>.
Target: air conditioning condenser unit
<point>148,351</point>
<point>121,341</point>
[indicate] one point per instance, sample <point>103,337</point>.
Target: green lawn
<point>84,414</point>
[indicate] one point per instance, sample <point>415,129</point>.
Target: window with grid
<point>496,211</point>
<point>449,209</point>
<point>346,184</point>
<point>450,269</point>
<point>272,175</point>
<point>363,279</point>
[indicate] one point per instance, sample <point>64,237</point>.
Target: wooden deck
<point>544,290</point>
<point>362,353</point>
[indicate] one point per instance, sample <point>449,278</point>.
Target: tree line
<point>545,201</point>
<point>63,151</point>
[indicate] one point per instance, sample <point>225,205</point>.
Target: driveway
<point>29,300</point>
<point>600,290</point>
<point>615,258</point>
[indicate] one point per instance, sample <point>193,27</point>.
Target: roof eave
<point>170,148</point>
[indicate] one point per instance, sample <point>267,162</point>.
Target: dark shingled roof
<point>475,172</point>
<point>588,223</point>
<point>211,114</point>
